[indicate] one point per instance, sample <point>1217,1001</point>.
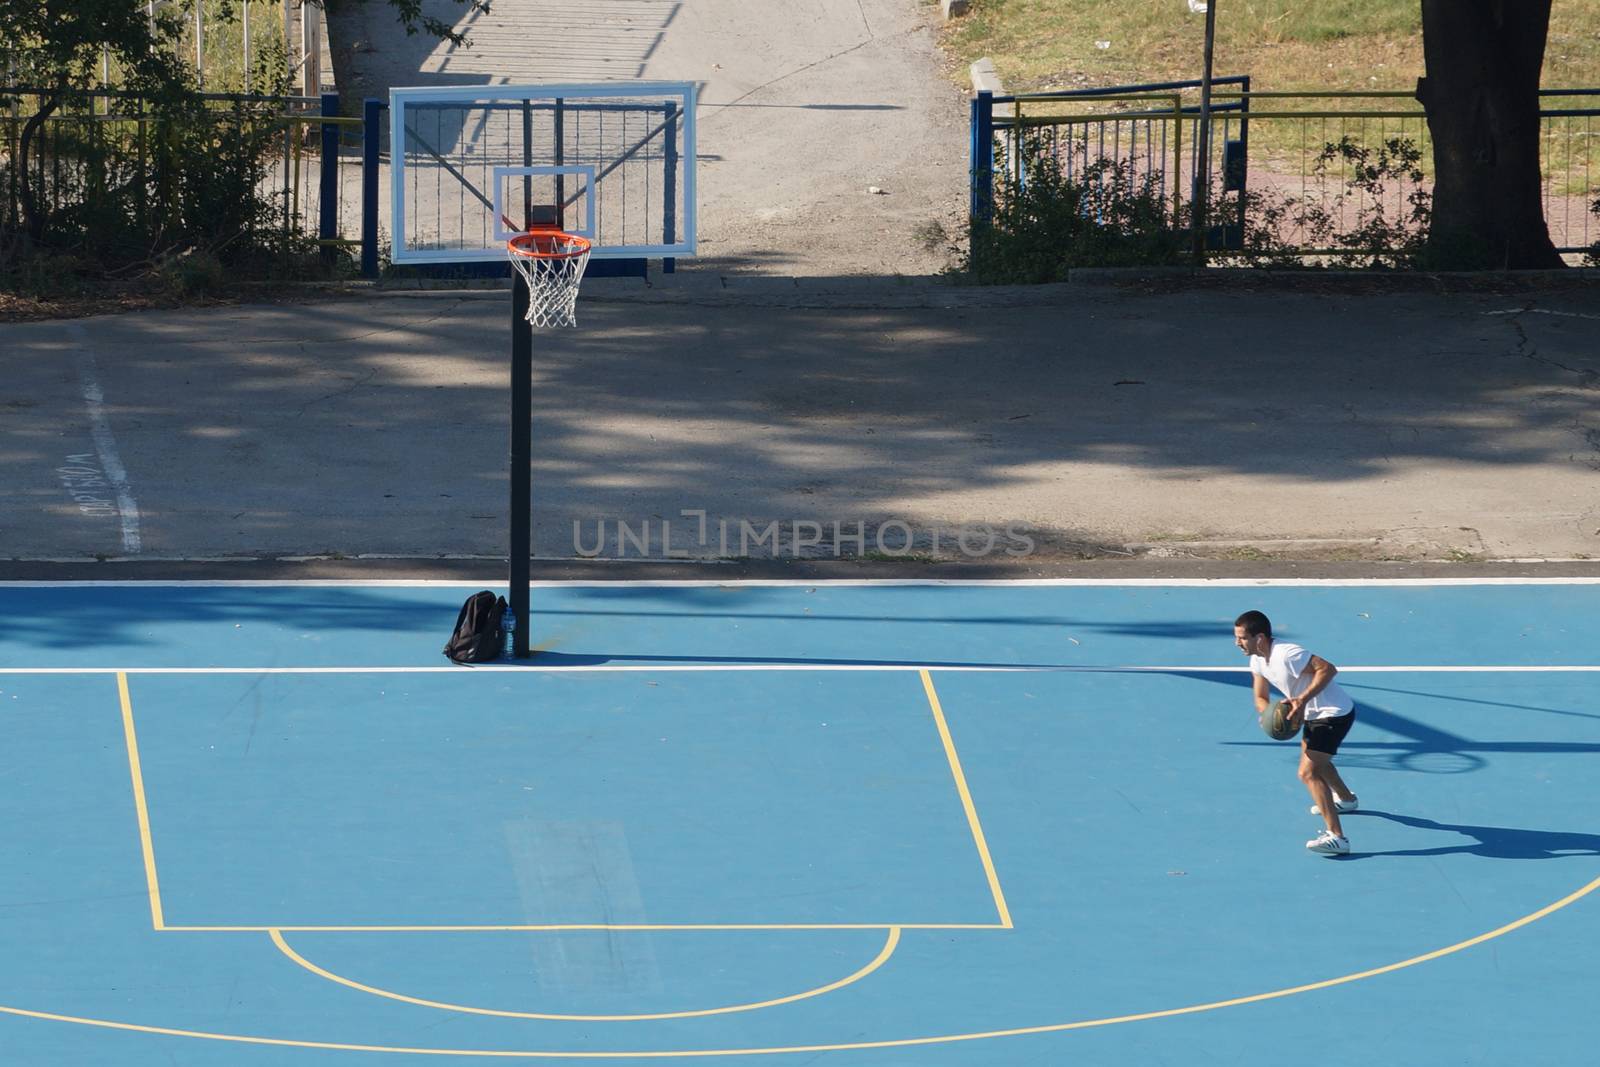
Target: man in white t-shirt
<point>1327,711</point>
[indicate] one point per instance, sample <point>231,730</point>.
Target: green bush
<point>193,274</point>
<point>1047,221</point>
<point>1379,238</point>
<point>162,190</point>
<point>1591,257</point>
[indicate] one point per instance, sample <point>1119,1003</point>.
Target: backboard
<point>473,165</point>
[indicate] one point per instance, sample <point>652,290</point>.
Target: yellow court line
<point>143,810</point>
<point>966,801</point>
<point>941,1039</point>
<point>878,961</point>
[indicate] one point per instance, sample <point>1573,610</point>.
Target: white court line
<point>775,667</point>
<point>669,583</point>
<point>105,443</point>
<point>1543,311</point>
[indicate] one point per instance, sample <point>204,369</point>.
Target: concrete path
<point>1082,420</point>
<point>804,107</point>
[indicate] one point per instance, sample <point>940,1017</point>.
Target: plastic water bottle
<point>508,631</point>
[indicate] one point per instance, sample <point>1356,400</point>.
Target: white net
<point>553,272</point>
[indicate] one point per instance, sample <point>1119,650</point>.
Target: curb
<point>1390,281</point>
<point>710,288</point>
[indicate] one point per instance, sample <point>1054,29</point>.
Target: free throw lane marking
<point>882,958</point>
<point>966,801</point>
<point>140,807</point>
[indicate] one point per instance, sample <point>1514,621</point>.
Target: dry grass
<point>1283,44</point>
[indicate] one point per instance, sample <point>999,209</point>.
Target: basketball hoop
<point>552,264</point>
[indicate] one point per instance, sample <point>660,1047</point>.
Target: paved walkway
<point>803,109</point>
<point>1088,420</point>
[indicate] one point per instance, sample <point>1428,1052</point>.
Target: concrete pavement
<point>804,108</point>
<point>1086,421</point>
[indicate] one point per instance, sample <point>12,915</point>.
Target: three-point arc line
<point>941,1039</point>
<point>883,956</point>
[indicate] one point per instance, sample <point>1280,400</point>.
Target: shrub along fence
<point>1295,176</point>
<point>113,178</point>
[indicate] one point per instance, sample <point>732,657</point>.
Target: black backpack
<point>478,635</point>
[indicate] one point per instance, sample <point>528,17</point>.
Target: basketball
<point>1275,722</point>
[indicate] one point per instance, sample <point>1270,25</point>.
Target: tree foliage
<point>153,174</point>
<point>413,17</point>
<point>56,47</point>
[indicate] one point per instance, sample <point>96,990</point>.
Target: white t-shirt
<point>1287,667</point>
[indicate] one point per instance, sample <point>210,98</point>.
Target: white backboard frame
<point>581,170</point>
<point>683,93</point>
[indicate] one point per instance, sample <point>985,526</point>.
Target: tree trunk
<point>1481,95</point>
<point>352,37</point>
<point>32,219</point>
<point>372,50</point>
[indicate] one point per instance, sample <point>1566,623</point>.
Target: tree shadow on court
<point>701,602</point>
<point>133,617</point>
<point>1491,842</point>
<point>359,426</point>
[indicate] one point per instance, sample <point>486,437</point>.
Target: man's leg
<point>1330,774</point>
<point>1313,772</point>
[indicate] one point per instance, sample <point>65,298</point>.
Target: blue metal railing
<point>991,124</point>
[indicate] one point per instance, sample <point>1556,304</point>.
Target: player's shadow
<point>1422,748</point>
<point>1490,842</point>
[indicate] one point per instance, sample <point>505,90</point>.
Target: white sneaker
<point>1339,805</point>
<point>1328,843</point>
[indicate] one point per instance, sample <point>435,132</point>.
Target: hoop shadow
<point>1491,842</point>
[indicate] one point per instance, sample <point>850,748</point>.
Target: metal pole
<point>371,132</point>
<point>669,187</point>
<point>980,198</point>
<point>328,190</point>
<point>1202,170</point>
<point>521,459</point>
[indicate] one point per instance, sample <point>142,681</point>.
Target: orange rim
<point>548,244</point>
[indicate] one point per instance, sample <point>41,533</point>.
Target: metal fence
<point>1294,149</point>
<point>311,173</point>
<point>327,173</point>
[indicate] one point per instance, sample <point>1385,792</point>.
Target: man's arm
<point>1322,673</point>
<point>1263,694</point>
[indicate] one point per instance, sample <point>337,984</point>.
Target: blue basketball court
<point>869,823</point>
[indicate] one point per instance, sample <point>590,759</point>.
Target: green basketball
<point>1275,722</point>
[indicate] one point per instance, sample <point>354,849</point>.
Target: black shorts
<point>1324,735</point>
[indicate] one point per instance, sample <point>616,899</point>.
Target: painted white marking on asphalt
<point>105,444</point>
<point>1543,311</point>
